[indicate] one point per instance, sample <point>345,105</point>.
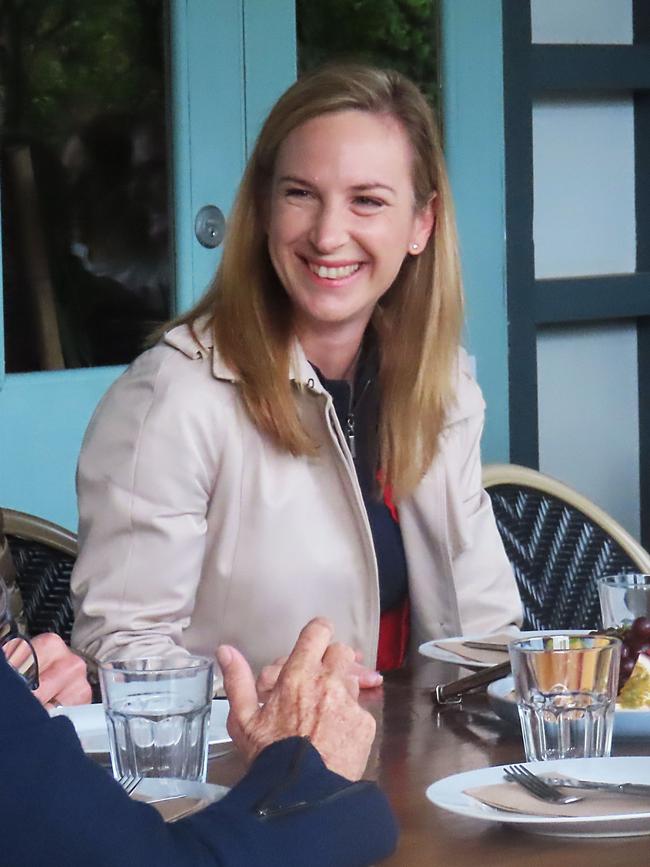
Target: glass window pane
<point>582,21</point>
<point>583,158</point>
<point>85,219</point>
<point>389,33</point>
<point>588,400</point>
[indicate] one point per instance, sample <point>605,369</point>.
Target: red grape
<point>626,653</point>
<point>634,640</point>
<point>627,666</point>
<point>640,631</point>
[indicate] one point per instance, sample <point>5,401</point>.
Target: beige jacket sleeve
<point>450,532</point>
<point>145,473</point>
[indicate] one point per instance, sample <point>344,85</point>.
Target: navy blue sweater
<point>58,808</point>
<point>360,406</point>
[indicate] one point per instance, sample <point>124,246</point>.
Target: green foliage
<point>401,34</point>
<point>68,58</point>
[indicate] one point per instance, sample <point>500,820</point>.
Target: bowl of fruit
<point>632,717</point>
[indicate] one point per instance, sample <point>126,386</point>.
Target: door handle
<point>210,226</point>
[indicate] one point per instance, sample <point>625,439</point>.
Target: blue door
<point>100,200</point>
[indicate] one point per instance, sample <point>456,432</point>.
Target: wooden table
<point>417,745</point>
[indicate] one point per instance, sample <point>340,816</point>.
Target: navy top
<point>61,809</point>
<point>357,408</point>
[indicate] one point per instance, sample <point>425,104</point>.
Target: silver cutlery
<point>538,787</point>
<point>129,782</point>
<point>485,645</point>
<point>448,693</point>
<point>622,788</point>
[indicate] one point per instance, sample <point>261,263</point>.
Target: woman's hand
<point>367,677</point>
<point>61,673</point>
<point>314,696</point>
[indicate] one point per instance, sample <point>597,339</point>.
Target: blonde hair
<point>418,321</point>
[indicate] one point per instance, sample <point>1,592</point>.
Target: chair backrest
<point>559,544</point>
<point>43,555</point>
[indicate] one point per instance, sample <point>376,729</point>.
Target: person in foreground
<point>61,673</point>
<point>300,803</point>
<point>306,440</point>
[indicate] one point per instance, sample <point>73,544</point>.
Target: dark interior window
<point>84,196</point>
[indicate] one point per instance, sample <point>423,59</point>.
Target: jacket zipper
<point>350,419</point>
<point>268,806</point>
<point>332,423</point>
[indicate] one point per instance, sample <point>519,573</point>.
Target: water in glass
<point>156,736</point>
<point>566,725</point>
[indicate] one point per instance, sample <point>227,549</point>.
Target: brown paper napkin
<point>487,657</point>
<point>513,799</point>
<point>174,809</point>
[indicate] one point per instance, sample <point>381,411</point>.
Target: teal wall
<point>472,75</point>
<point>227,71</point>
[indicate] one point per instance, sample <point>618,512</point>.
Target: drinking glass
<point>623,598</point>
<point>157,715</point>
<point>566,693</point>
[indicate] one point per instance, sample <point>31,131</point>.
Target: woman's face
<point>342,218</point>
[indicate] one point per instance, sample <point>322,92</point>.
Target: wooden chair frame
<point>35,529</point>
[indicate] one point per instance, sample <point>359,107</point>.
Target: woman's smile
<point>342,218</point>
<point>336,273</point>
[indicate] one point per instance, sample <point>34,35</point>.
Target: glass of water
<point>623,598</point>
<point>566,694</point>
<point>158,715</point>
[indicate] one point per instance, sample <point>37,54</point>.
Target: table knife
<point>641,789</point>
<point>485,645</point>
<point>450,692</point>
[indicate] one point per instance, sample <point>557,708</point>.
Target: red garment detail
<point>394,625</point>
<point>389,503</point>
<point>388,497</point>
<point>394,629</point>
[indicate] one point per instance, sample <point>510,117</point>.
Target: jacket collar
<point>198,343</point>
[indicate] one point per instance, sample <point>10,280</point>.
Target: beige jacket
<point>196,530</point>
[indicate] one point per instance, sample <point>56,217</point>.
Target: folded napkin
<point>172,811</point>
<point>513,799</point>
<point>473,654</point>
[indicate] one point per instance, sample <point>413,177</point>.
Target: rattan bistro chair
<point>43,555</point>
<point>559,544</point>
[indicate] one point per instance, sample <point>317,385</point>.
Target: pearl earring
<point>415,246</point>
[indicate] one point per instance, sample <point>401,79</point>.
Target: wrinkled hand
<point>315,696</point>
<point>61,673</point>
<point>368,678</point>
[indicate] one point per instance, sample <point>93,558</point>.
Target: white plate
<point>158,789</point>
<point>436,649</point>
<point>89,721</point>
<point>449,794</point>
<point>628,723</point>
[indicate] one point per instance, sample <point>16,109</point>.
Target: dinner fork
<point>130,782</point>
<point>538,787</point>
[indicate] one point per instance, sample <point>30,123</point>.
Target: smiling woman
<point>305,441</point>
<point>343,217</point>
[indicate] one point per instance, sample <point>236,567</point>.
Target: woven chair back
<point>559,545</point>
<point>43,555</point>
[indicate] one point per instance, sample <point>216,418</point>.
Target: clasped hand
<point>315,695</point>
<point>62,673</point>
